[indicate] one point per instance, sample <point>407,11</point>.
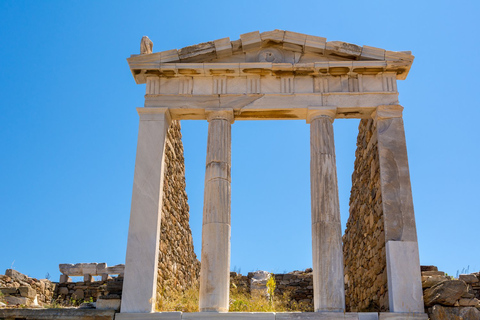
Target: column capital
<point>222,114</point>
<point>321,111</point>
<point>154,114</point>
<point>387,111</point>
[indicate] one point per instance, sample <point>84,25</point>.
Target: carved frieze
<point>270,84</point>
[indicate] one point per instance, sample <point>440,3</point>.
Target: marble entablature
<point>262,75</point>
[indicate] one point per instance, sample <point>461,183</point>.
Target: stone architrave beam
<point>403,264</point>
<point>215,267</point>
<point>328,287</point>
<point>139,287</point>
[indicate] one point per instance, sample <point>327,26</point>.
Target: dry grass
<point>186,301</point>
<point>240,301</point>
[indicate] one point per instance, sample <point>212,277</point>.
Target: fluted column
<point>328,286</point>
<point>215,266</point>
<point>141,263</point>
<point>403,264</point>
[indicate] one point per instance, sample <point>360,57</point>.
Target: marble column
<point>328,286</point>
<point>141,263</point>
<point>215,267</point>
<point>403,264</point>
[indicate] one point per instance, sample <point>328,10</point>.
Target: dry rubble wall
<point>178,267</point>
<point>19,289</point>
<point>364,239</point>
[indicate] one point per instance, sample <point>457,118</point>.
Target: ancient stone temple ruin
<point>283,75</point>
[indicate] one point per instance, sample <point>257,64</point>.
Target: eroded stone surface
<point>438,312</point>
<point>445,293</point>
<point>146,45</point>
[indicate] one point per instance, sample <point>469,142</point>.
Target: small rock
<point>87,305</point>
<point>468,278</point>
<point>8,291</point>
<point>468,302</point>
<point>430,281</point>
<point>15,274</point>
<point>444,293</point>
<point>428,268</point>
<point>63,290</point>
<point>17,301</point>
<point>433,273</point>
<point>27,292</point>
<point>78,294</point>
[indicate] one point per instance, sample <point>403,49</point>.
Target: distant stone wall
<point>19,289</point>
<point>364,240</point>
<point>297,286</point>
<point>178,267</point>
<point>72,293</point>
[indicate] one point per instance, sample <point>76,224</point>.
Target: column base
<point>402,316</point>
<point>404,279</point>
<point>271,316</point>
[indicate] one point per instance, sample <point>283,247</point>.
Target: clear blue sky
<point>69,127</point>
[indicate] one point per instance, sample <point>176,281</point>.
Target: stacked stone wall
<point>178,266</point>
<point>72,293</point>
<point>364,239</point>
<point>20,289</point>
<point>297,286</point>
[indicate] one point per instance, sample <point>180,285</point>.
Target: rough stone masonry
<point>178,266</point>
<point>364,238</point>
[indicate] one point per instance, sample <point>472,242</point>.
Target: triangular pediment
<point>278,48</point>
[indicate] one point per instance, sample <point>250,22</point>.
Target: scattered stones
<point>20,289</point>
<point>451,299</point>
<point>438,312</point>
